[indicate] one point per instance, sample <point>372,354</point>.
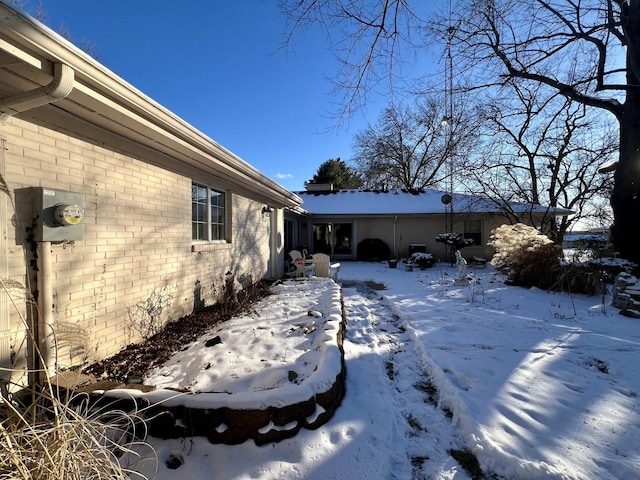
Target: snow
<point>534,384</point>
<point>251,360</point>
<point>402,201</point>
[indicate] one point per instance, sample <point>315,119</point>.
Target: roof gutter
<point>59,88</point>
<point>101,98</point>
<point>148,123</point>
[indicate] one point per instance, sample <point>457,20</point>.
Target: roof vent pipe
<point>59,88</point>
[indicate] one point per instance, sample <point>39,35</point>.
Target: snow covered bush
<point>422,259</point>
<point>529,257</point>
<point>478,262</point>
<point>611,267</point>
<point>454,240</point>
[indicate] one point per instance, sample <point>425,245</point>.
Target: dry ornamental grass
<point>48,438</point>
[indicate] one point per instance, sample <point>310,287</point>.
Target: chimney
<point>319,187</point>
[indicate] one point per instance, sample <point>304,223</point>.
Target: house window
<point>473,230</point>
<point>207,213</point>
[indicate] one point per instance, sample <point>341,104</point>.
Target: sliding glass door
<point>333,238</point>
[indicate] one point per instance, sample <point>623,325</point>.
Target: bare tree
<point>544,152</point>
<point>588,51</point>
<point>409,147</point>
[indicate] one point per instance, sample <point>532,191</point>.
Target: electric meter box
<point>57,214</point>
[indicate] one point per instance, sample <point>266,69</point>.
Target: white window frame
<point>207,226</point>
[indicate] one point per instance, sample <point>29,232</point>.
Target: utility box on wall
<point>57,214</point>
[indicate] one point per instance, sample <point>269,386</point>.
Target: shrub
<point>578,278</point>
<point>611,267</point>
<point>422,259</point>
<point>48,433</point>
<point>51,438</point>
<point>454,240</point>
<point>590,277</point>
<point>373,249</point>
<point>526,255</point>
<point>478,260</point>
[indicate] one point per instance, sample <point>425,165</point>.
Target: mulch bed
<point>135,361</point>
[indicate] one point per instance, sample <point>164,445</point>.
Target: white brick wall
<point>137,238</point>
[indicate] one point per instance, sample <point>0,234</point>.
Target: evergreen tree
<point>338,173</point>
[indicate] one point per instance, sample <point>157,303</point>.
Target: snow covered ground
<point>535,385</point>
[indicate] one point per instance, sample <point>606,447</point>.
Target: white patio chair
<point>298,261</point>
<point>323,267</point>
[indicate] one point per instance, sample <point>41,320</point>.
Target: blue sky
<point>219,65</point>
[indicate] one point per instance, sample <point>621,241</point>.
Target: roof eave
<point>29,52</point>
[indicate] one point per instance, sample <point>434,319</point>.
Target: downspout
<point>395,220</point>
<point>60,87</point>
<point>45,334</point>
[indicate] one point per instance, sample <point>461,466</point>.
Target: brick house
<point>117,215</point>
<point>336,221</point>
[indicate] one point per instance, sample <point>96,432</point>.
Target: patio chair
<point>323,267</point>
<point>298,261</point>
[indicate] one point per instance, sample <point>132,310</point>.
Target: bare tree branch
<point>370,39</point>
